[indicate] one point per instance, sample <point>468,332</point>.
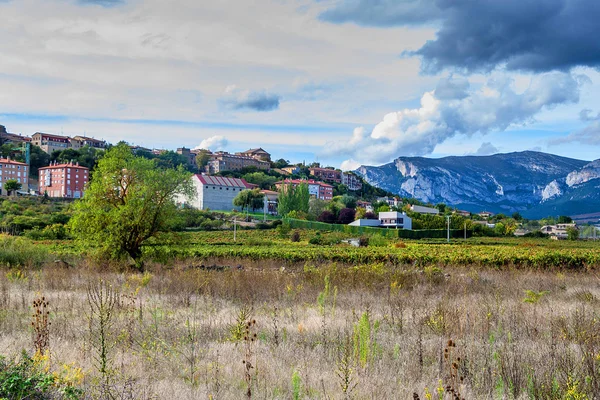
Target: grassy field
<point>483,318</point>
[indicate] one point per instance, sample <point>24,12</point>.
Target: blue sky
<point>344,82</point>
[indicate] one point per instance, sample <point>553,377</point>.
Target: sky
<point>341,82</point>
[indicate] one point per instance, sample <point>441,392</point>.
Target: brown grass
<point>172,331</point>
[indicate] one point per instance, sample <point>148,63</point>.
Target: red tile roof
<point>7,161</point>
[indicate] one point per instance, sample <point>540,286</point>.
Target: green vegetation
<point>127,202</point>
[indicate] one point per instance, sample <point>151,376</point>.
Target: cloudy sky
<point>343,82</point>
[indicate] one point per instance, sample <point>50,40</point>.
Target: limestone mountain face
<point>531,183</point>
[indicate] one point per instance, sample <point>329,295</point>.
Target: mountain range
<point>532,183</point>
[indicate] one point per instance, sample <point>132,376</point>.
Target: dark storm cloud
<point>382,12</point>
<point>529,35</point>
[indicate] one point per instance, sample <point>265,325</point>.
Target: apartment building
<point>18,171</point>
<point>327,174</point>
<point>190,155</point>
<point>352,181</point>
<point>78,142</point>
<point>224,161</point>
<point>49,142</point>
<point>319,190</point>
<point>64,180</point>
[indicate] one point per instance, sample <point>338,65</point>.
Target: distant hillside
<point>532,183</point>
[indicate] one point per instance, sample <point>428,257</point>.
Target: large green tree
<point>249,199</point>
<point>293,198</point>
<point>11,186</point>
<point>128,201</point>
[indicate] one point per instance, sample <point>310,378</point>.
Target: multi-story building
<point>258,154</point>
<point>78,142</point>
<point>319,190</point>
<point>18,171</point>
<point>327,174</point>
<point>224,161</point>
<point>352,181</point>
<point>190,155</point>
<point>49,142</point>
<point>64,180</point>
<point>214,192</point>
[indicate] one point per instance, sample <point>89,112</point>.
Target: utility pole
<point>234,228</point>
<point>448,231</point>
<point>465,231</point>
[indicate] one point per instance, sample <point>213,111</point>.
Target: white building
<point>214,192</point>
<point>394,219</point>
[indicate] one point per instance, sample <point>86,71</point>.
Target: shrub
<point>346,216</point>
<point>295,236</point>
<point>363,241</point>
<point>17,251</point>
<point>326,216</point>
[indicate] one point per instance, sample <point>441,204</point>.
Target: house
<point>49,142</point>
<point>486,214</point>
<point>558,231</point>
<point>462,213</point>
<point>11,138</point>
<point>327,174</point>
<point>390,201</point>
<point>364,204</point>
<point>78,142</point>
<point>18,171</point>
<point>139,149</point>
<point>316,189</point>
<point>224,161</point>
<point>291,170</point>
<point>64,180</point>
<point>395,219</point>
<point>352,181</point>
<point>424,210</point>
<point>257,154</point>
<point>214,192</point>
<point>271,201</point>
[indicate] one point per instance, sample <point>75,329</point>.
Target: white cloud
<point>213,143</point>
<point>493,107</point>
<point>349,165</point>
<point>486,149</point>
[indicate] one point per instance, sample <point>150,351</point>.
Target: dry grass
<point>171,331</point>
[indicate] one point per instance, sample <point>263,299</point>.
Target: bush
<point>17,251</point>
<point>295,236</point>
<point>317,239</point>
<point>346,215</point>
<point>363,241</point>
<point>327,217</point>
<point>25,379</point>
<point>283,230</point>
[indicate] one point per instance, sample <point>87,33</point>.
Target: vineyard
<point>268,245</point>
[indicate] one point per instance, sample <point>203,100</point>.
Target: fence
<point>386,232</point>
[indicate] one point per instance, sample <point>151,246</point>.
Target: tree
<point>280,163</point>
<point>293,198</point>
<point>202,159</point>
<point>261,179</point>
<point>572,233</point>
<point>346,216</point>
<point>249,199</point>
<point>348,201</point>
<point>563,219</point>
<point>128,201</point>
<point>12,185</point>
<point>327,217</point>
